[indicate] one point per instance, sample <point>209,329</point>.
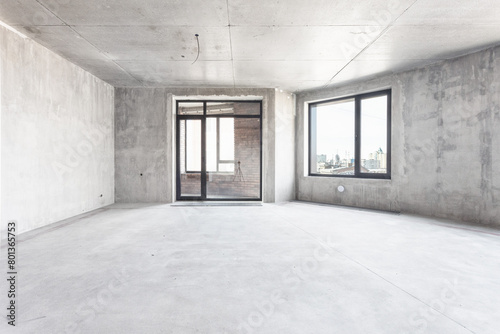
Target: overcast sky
<point>335,127</point>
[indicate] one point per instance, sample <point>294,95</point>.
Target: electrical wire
<point>198,42</point>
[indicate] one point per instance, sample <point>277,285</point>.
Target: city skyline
<point>335,131</point>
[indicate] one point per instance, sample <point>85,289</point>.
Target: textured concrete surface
<point>57,136</point>
<point>145,141</point>
<point>140,145</point>
<point>285,146</point>
<point>292,268</point>
<point>293,45</point>
<point>445,143</point>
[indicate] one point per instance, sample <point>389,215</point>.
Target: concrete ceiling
<point>292,45</point>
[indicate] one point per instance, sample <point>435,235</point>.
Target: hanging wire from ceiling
<point>198,42</point>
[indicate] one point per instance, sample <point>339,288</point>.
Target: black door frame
<point>203,178</point>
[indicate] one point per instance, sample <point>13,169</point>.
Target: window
<point>218,150</point>
<point>351,137</point>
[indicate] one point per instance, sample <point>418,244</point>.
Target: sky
<point>335,127</point>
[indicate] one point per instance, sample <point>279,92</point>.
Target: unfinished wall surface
<point>145,139</point>
<point>57,136</point>
<point>141,145</point>
<point>285,144</point>
<point>445,143</point>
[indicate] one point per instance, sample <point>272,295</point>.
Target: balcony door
<point>219,150</point>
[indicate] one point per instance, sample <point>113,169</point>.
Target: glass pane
<point>374,135</point>
<point>233,108</point>
<point>220,108</point>
<point>211,144</point>
<point>220,144</point>
<point>193,145</point>
<point>190,153</point>
<point>191,184</point>
<point>240,179</point>
<point>182,145</point>
<point>226,167</point>
<point>226,139</point>
<point>332,138</point>
<point>247,108</point>
<point>190,108</point>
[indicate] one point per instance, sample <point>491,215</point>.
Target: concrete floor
<point>289,268</point>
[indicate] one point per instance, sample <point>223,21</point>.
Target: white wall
<point>57,136</point>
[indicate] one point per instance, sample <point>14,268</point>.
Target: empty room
<point>247,167</point>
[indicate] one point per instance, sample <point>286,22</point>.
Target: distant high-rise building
<point>376,160</point>
<point>321,158</point>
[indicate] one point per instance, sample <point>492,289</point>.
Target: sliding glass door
<point>219,150</point>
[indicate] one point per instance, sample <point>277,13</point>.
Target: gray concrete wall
<point>445,143</point>
<point>141,132</point>
<point>57,136</point>
<point>145,138</point>
<point>285,146</point>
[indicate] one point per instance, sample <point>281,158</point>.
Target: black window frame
<point>203,116</point>
<point>357,135</point>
